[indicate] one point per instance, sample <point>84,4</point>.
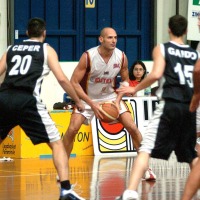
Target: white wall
<point>51,91</point>
<point>165,9</point>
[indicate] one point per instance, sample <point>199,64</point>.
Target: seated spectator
<point>137,73</point>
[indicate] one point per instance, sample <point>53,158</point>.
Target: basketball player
<point>173,126</point>
<point>26,64</point>
<point>94,81</point>
<point>193,182</point>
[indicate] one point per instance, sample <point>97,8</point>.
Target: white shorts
<point>89,113</point>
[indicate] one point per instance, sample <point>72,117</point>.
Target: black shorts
<point>172,128</point>
<point>22,108</point>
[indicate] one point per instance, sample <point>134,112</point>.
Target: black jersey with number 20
<point>26,67</point>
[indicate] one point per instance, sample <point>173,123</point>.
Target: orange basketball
<point>109,111</point>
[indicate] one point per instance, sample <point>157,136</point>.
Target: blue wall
<point>72,28</point>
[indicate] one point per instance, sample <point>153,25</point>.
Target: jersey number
<point>21,66</point>
<point>185,74</point>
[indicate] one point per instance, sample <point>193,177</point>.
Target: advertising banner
<point>114,139</point>
<point>193,14</point>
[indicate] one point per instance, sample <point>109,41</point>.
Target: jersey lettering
<point>26,48</point>
<point>182,53</point>
<point>103,80</point>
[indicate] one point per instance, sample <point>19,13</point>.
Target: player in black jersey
<point>26,64</point>
<point>173,126</point>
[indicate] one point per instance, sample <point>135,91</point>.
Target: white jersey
<point>99,82</point>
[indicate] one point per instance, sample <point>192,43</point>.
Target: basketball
<point>109,111</point>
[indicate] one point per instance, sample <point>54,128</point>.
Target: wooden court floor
<point>95,178</point>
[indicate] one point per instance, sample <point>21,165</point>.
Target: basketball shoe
<point>128,195</point>
<point>149,175</point>
<point>69,195</point>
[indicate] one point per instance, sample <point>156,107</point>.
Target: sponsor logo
<point>116,65</point>
<point>103,80</point>
<point>11,135</point>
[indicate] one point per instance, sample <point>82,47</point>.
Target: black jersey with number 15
<point>177,81</point>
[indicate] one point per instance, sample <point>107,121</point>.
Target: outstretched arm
<point>60,76</point>
<point>3,64</point>
<point>125,78</point>
<point>154,75</point>
<point>196,79</point>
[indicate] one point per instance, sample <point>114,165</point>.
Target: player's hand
<point>117,103</point>
<point>80,106</point>
<point>195,102</point>
<point>97,110</point>
<point>126,90</point>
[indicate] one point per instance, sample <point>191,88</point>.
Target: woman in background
<point>137,73</point>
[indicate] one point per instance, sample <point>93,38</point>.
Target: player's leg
<point>198,130</point>
<point>75,123</point>
<point>126,119</point>
<point>41,129</point>
<point>128,123</point>
<point>192,183</point>
<point>139,167</point>
<point>60,160</point>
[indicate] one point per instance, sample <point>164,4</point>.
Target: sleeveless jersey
<point>99,82</point>
<point>177,81</point>
<point>26,67</point>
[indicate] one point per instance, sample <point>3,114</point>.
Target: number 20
<point>185,74</point>
<point>21,65</point>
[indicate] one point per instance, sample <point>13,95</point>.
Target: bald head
<point>105,31</point>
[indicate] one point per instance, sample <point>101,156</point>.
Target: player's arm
<point>196,80</point>
<point>77,76</point>
<point>55,67</point>
<point>154,75</point>
<point>124,77</point>
<point>3,64</point>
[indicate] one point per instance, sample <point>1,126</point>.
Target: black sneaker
<point>70,195</point>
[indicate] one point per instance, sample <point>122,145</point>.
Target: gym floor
<point>94,178</point>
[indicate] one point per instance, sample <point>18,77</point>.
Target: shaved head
<point>105,31</point>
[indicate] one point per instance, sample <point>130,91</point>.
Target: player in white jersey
<point>94,80</point>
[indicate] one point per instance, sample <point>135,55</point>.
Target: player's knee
<point>72,131</point>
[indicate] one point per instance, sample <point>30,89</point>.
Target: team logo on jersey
<point>106,73</point>
<point>116,66</point>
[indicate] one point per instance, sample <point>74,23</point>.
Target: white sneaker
<point>128,195</point>
<point>69,195</point>
<point>149,175</point>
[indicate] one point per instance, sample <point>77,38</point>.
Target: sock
<point>65,185</point>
